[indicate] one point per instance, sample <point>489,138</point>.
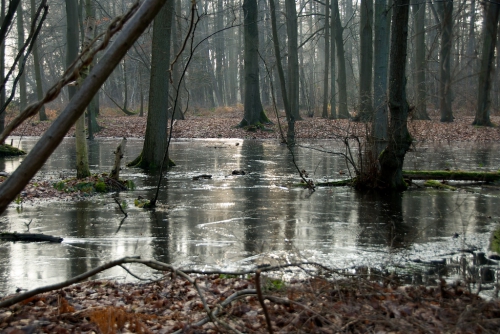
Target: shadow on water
<point>240,221</point>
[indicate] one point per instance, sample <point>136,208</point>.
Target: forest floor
<point>314,305</point>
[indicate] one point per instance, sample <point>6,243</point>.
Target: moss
<point>495,241</point>
<point>438,185</point>
<point>100,187</point>
<point>10,151</point>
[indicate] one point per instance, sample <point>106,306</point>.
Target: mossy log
<point>10,151</point>
<point>29,237</point>
<point>452,175</point>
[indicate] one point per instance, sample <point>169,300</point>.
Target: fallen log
<point>29,237</point>
<point>452,175</point>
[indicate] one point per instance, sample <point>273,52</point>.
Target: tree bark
<point>23,102</point>
<point>446,12</point>
<point>392,158</point>
<point>420,112</point>
<point>365,112</point>
<point>293,59</point>
<point>253,112</point>
<point>2,69</point>
<point>156,137</point>
<point>343,112</point>
<point>490,28</point>
<point>55,134</point>
<point>327,59</point>
<point>37,64</point>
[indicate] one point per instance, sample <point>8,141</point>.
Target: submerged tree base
<point>140,163</point>
<point>10,151</point>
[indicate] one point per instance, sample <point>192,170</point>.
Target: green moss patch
<point>438,185</point>
<point>10,151</point>
<point>93,184</point>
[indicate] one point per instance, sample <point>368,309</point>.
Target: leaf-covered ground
<point>222,124</point>
<point>315,305</point>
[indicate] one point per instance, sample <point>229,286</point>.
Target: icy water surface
<point>260,218</point>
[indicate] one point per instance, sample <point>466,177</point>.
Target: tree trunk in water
<point>36,63</point>
<point>490,25</point>
<point>82,159</point>
<point>327,59</point>
<point>253,112</point>
<point>156,137</point>
<point>365,112</point>
<point>342,76</point>
<point>20,42</point>
<point>293,59</point>
<point>420,112</point>
<point>289,115</point>
<point>392,158</point>
<point>446,12</point>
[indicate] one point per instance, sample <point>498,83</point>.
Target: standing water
<point>240,221</point>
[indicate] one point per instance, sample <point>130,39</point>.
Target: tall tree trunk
<point>82,158</point>
<point>36,64</point>
<point>178,66</point>
<point>253,112</point>
<point>156,137</point>
<point>333,66</point>
<point>343,112</point>
<point>23,102</point>
<point>446,13</point>
<point>365,112</point>
<point>471,54</point>
<point>219,53</point>
<point>380,121</point>
<point>420,112</point>
<point>90,33</point>
<point>490,28</point>
<point>293,59</point>
<point>327,59</point>
<point>392,158</point>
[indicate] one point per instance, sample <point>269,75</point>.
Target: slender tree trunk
<point>23,102</point>
<point>253,112</point>
<point>156,137</point>
<point>293,59</point>
<point>219,53</point>
<point>178,66</point>
<point>420,112</point>
<point>36,64</point>
<point>82,159</point>
<point>342,76</point>
<point>333,92</point>
<point>327,59</point>
<point>392,158</point>
<point>446,11</point>
<point>93,107</point>
<point>365,112</point>
<point>490,28</point>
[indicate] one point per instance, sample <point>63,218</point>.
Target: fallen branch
<point>452,175</point>
<point>29,237</point>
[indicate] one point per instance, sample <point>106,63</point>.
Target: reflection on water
<point>234,221</point>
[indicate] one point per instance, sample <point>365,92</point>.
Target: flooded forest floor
<point>223,303</point>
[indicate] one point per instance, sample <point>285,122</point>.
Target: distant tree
<point>365,111</point>
<point>293,58</point>
<point>254,113</point>
<point>392,158</point>
<point>446,18</point>
<point>23,101</point>
<point>418,10</point>
<point>327,59</point>
<point>38,72</point>
<point>338,30</point>
<point>490,30</point>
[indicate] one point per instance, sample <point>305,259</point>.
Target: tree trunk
<point>253,112</point>
<point>446,12</point>
<point>333,92</point>
<point>365,112</point>
<point>219,53</point>
<point>82,159</point>
<point>392,158</point>
<point>327,59</point>
<point>490,26</point>
<point>420,112</point>
<point>341,59</point>
<point>90,34</point>
<point>293,59</point>
<point>23,102</point>
<point>2,69</point>
<point>36,63</point>
<point>156,137</point>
